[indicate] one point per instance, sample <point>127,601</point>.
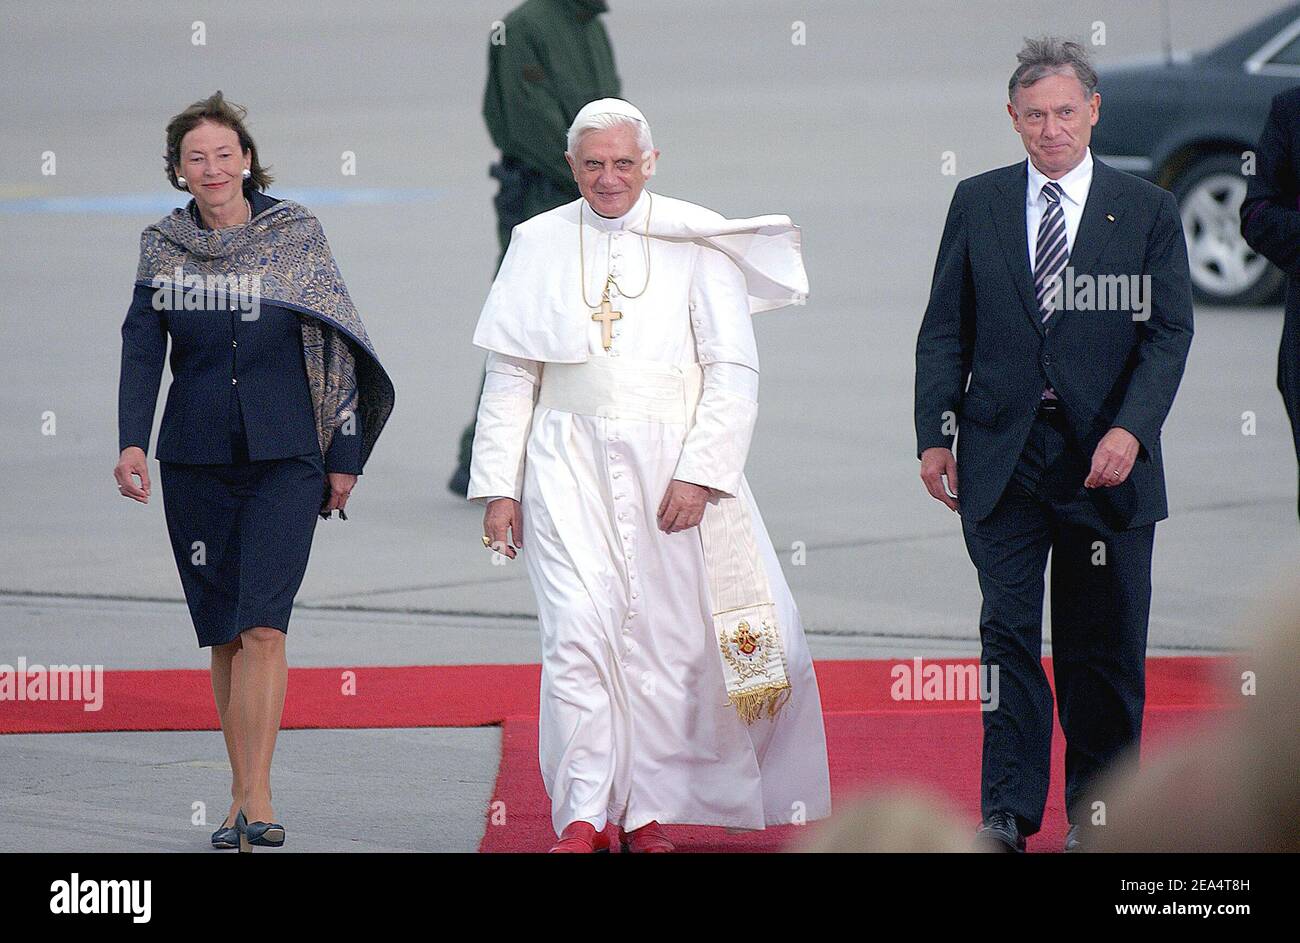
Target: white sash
<point>744,615</point>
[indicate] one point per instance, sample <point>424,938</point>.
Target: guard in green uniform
<point>551,58</point>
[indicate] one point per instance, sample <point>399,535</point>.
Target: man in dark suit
<point>1059,382</point>
<point>1270,223</point>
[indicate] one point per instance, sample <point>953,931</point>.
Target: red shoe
<point>648,839</point>
<point>581,838</point>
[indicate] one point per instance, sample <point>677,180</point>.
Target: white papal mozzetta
<point>677,686</point>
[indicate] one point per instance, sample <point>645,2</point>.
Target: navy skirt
<point>242,534</point>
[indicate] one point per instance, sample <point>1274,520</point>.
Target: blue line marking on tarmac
<point>161,203</point>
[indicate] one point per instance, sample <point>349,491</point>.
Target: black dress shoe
<point>459,484</point>
<point>1073,841</point>
<point>999,832</point>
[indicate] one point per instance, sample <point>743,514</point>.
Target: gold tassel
<point>750,705</point>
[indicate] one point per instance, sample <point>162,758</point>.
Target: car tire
<point>1225,270</point>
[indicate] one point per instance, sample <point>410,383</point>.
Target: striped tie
<point>1052,251</point>
<point>1050,258</point>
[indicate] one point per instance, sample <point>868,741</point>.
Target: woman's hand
<point>132,463</point>
<point>503,518</point>
<point>341,485</point>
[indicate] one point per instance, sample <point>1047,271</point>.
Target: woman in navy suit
<point>276,401</point>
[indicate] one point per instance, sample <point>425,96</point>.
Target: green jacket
<point>555,58</point>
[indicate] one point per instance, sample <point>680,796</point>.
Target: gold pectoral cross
<point>606,316</point>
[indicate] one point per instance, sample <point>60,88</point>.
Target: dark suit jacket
<point>983,355</point>
<point>232,379</point>
<point>1270,223</point>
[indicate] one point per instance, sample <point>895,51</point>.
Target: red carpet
<point>872,739</point>
<point>867,749</point>
<point>417,696</point>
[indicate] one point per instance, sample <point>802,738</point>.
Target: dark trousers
<point>1288,377</point>
<point>1101,600</point>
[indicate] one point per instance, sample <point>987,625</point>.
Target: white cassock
<point>636,725</point>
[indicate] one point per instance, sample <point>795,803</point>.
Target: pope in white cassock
<point>621,395</point>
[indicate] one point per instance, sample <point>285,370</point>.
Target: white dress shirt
<point>1074,186</point>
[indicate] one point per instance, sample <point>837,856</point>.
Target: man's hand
<point>132,462</point>
<point>937,464</point>
<point>501,520</point>
<point>341,486</point>
<point>1113,460</point>
<point>682,506</point>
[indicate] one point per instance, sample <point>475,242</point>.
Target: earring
<point>247,173</point>
<point>182,182</point>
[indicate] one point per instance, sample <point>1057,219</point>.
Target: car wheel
<point>1225,270</point>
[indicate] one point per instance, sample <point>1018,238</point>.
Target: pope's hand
<point>937,464</point>
<point>132,463</point>
<point>1113,459</point>
<point>501,520</point>
<point>682,506</point>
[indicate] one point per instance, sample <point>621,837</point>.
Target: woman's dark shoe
<point>266,834</point>
<point>227,836</point>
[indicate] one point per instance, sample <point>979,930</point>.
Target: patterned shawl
<point>285,247</point>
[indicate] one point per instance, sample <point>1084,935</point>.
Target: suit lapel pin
<point>1111,218</point>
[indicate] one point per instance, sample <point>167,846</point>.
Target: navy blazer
<point>983,354</point>
<point>1270,225</point>
<point>239,387</point>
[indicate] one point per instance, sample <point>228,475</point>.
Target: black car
<point>1189,124</point>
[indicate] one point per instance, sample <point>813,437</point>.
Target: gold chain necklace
<point>609,279</point>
